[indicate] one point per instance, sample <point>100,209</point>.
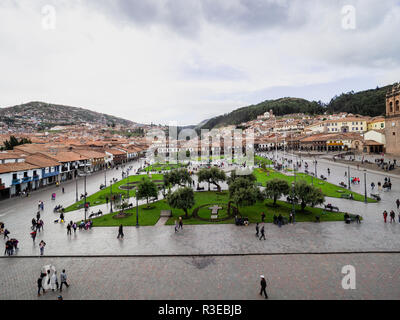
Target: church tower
<point>392,121</point>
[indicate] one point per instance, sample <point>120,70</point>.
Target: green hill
<point>368,103</point>
<point>279,107</point>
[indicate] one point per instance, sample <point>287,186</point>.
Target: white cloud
<point>163,61</point>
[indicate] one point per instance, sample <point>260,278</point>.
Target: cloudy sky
<point>189,60</point>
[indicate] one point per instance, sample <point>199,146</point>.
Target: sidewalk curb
<point>205,255</point>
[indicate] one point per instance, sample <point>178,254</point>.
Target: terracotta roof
<point>115,152</point>
<point>372,143</point>
<point>90,153</point>
<point>15,167</point>
<point>65,156</point>
<point>41,160</point>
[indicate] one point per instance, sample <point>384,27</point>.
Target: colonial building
<point>392,121</point>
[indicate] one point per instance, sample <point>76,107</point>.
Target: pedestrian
<point>120,232</point>
<point>280,219</point>
<point>62,217</point>
<point>40,285</point>
<point>262,216</point>
<point>38,216</point>
<point>39,205</point>
<point>385,215</point>
<point>392,216</point>
<point>398,203</point>
<point>42,205</point>
<point>262,233</point>
<point>69,229</point>
<point>42,244</point>
<point>176,225</point>
<point>372,186</point>
<point>54,281</point>
<point>63,279</point>
<point>41,224</point>
<point>33,235</point>
<point>180,223</point>
<point>263,284</point>
<point>63,191</point>
<point>329,172</point>
<point>345,173</point>
<point>6,233</point>
<point>257,229</point>
<point>74,227</point>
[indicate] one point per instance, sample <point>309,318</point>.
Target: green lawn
<point>158,167</point>
<point>148,217</point>
<point>328,189</point>
<point>262,160</point>
<point>100,196</point>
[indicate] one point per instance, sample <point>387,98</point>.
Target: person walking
<point>120,232</point>
<point>33,235</point>
<point>41,224</point>
<point>6,233</point>
<point>42,244</point>
<point>74,227</point>
<point>69,229</point>
<point>262,233</point>
<point>392,216</point>
<point>40,285</point>
<point>176,225</point>
<point>257,230</point>
<point>329,172</point>
<point>62,217</point>
<point>262,216</point>
<point>54,281</point>
<point>280,218</point>
<point>263,284</point>
<point>63,279</point>
<point>385,215</point>
<point>398,203</point>
<point>372,186</point>
<point>180,223</point>
<point>63,191</point>
<point>38,216</point>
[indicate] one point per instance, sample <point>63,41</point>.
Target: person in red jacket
<point>385,215</point>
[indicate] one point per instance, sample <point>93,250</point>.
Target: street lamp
<point>348,173</point>
<point>365,186</point>
<point>137,209</point>
<point>85,196</point>
<point>111,209</point>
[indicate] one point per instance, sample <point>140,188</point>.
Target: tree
<point>179,177</point>
<point>275,188</point>
<point>244,192</point>
<point>308,194</point>
<point>10,144</point>
<point>251,177</point>
<point>147,189</point>
<point>183,199</point>
<point>212,175</point>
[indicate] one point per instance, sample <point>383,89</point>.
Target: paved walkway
<point>207,278</point>
<point>371,235</point>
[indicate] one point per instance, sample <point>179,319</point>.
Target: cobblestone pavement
<point>371,235</point>
<point>207,278</point>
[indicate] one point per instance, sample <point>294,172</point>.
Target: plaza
<point>217,253</point>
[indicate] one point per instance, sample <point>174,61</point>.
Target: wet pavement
<point>377,276</point>
<point>371,235</point>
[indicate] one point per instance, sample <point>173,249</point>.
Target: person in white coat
<point>54,281</point>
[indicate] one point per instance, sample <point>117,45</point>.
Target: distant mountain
<point>368,103</point>
<point>279,107</point>
<point>52,114</point>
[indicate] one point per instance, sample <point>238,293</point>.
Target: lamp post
<point>85,195</point>
<point>111,209</point>
<point>137,209</point>
<point>348,173</point>
<point>76,181</point>
<point>365,186</point>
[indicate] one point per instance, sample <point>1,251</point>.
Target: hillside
<point>368,103</point>
<point>279,107</point>
<point>52,114</point>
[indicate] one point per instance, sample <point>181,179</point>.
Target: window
<point>391,106</point>
<point>394,133</point>
<point>14,176</point>
<point>397,106</point>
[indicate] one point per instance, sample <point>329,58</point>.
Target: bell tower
<point>392,121</point>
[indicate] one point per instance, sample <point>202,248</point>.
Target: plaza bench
<point>331,208</point>
<point>376,196</point>
<point>347,196</point>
